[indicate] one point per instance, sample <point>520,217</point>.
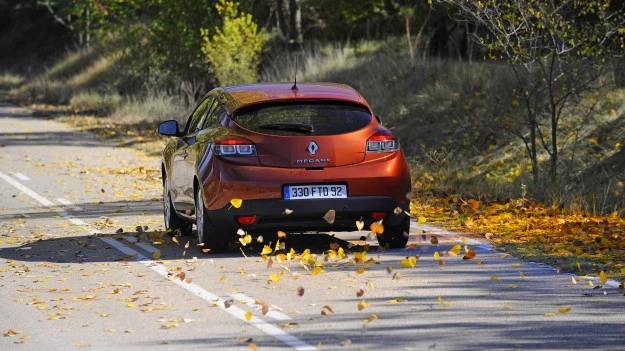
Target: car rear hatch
<point>308,134</point>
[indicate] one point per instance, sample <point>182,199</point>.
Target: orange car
<point>292,154</point>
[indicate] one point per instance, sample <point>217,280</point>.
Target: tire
<point>393,236</point>
<point>173,223</point>
<point>207,232</point>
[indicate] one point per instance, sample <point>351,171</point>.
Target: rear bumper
<point>308,215</point>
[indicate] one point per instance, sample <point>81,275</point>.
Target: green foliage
<point>234,49</point>
<point>558,52</point>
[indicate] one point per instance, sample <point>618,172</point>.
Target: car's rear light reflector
<point>382,142</point>
<point>235,147</point>
<point>246,220</point>
<point>378,216</point>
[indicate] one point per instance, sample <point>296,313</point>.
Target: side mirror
<point>168,128</point>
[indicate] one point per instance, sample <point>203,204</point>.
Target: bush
<point>95,102</point>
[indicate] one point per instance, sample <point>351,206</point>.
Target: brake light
<point>378,216</point>
<point>246,220</point>
<point>235,147</point>
<point>382,142</point>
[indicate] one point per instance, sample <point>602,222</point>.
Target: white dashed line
<point>69,203</point>
<point>20,176</point>
<point>196,290</point>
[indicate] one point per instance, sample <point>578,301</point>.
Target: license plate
<point>324,191</point>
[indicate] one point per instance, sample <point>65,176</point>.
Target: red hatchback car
<point>291,153</point>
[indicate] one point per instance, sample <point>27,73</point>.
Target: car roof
<point>239,96</point>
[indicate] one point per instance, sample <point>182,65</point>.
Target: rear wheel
<point>207,233</point>
<point>173,223</point>
<point>395,236</point>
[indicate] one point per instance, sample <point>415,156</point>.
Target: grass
<point>9,80</point>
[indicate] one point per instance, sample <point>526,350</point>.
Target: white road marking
<point>196,290</point>
<point>69,203</point>
<point>20,176</point>
<point>279,316</point>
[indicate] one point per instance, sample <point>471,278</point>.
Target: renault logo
<point>312,148</point>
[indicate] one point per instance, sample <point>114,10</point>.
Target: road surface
<point>83,265</point>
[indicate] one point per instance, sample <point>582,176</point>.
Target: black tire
<point>395,236</point>
<point>173,223</point>
<point>207,232</point>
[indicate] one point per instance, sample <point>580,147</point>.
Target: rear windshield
<point>303,118</point>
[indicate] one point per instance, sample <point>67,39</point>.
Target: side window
<point>197,115</point>
<point>213,117</point>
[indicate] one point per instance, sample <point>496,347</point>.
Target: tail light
<point>235,147</point>
<point>378,216</point>
<point>382,142</point>
<point>246,220</point>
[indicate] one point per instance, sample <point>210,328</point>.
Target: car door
<point>181,177</point>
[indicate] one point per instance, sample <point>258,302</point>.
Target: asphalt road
<point>69,281</point>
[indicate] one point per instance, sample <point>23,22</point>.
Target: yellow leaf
<point>456,249</point>
<point>222,279</point>
<point>469,255</point>
<point>370,319</point>
<point>437,255</point>
<point>174,239</point>
<point>236,203</point>
<point>564,310</point>
<point>494,277</point>
<point>248,315</point>
<point>274,278</point>
<point>409,262</point>
<point>603,278</point>
<point>362,305</point>
<point>330,216</point>
<point>266,250</point>
<point>579,266</point>
<point>396,300</point>
<point>550,314</point>
<point>361,270</point>
<point>247,239</point>
<point>156,255</point>
<point>513,286</point>
<point>281,234</point>
<point>422,219</point>
<point>316,270</point>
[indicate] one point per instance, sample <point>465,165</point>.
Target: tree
<point>233,51</point>
<point>558,49</point>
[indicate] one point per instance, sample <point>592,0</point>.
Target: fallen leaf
<point>288,324</point>
<point>371,319</point>
<point>469,255</point>
<point>288,212</point>
<point>377,227</point>
<point>241,232</point>
<point>266,250</point>
<point>564,310</point>
<point>360,225</point>
<point>330,216</point>
<point>228,303</point>
<point>252,346</point>
<point>408,262</point>
<point>362,305</point>
<point>300,291</point>
<point>248,315</point>
<point>236,203</point>
<point>329,308</point>
<point>494,277</point>
<point>434,240</point>
<point>396,300</point>
<point>422,219</point>
<point>360,270</point>
<point>281,234</point>
<point>360,292</point>
<point>603,278</point>
<point>156,255</point>
<point>316,270</point>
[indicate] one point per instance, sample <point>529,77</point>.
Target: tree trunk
<point>410,49</point>
<point>533,155</point>
<point>296,22</point>
<point>554,148</point>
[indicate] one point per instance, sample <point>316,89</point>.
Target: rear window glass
<point>318,118</point>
